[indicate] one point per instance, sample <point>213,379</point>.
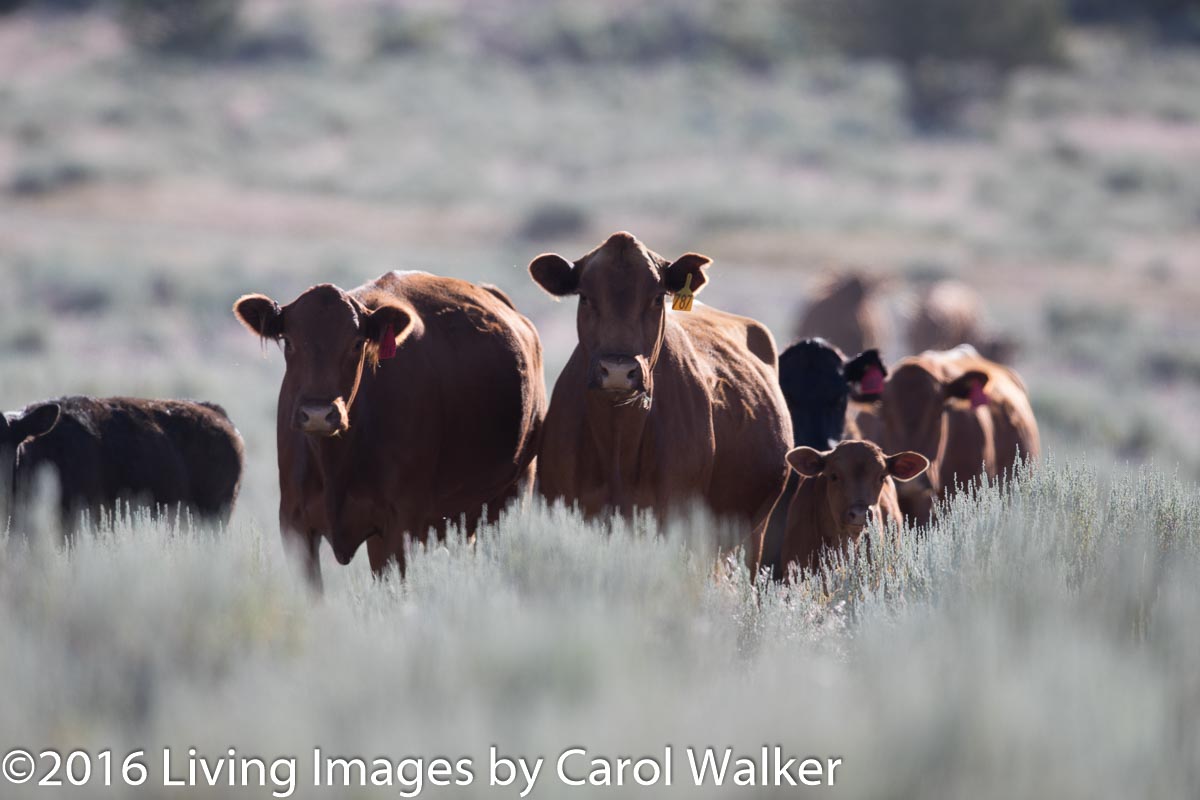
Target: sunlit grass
<point>1040,637</point>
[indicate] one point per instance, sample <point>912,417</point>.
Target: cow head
<point>914,401</point>
<point>855,473</point>
<point>328,339</point>
<point>621,319</point>
<point>32,422</point>
<point>811,376</point>
<point>16,428</point>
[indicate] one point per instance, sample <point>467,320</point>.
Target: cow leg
<point>301,541</point>
<point>312,561</point>
<point>386,549</point>
<point>758,531</point>
<point>754,547</point>
<point>521,490</point>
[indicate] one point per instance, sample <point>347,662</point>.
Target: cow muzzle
<point>618,374</point>
<point>856,517</point>
<point>322,419</point>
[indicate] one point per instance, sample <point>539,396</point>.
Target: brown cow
<point>967,415</point>
<point>841,490</point>
<point>655,409</point>
<point>950,313</point>
<point>844,311</point>
<point>409,402</point>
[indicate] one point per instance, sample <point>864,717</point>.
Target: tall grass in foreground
<point>1041,641</point>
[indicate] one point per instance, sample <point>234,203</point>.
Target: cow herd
<point>416,401</point>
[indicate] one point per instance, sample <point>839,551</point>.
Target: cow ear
<point>385,329</point>
<point>865,373</point>
<point>260,314</point>
<point>555,274</point>
<point>675,276</point>
<point>808,462</point>
<point>907,465</point>
<point>35,421</point>
<point>968,386</point>
<point>854,368</point>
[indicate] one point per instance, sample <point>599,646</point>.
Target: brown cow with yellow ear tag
<point>657,410</point>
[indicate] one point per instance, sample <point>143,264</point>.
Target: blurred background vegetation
<point>160,157</point>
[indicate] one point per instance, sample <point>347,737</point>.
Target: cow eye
<point>833,477</point>
<point>583,300</point>
<point>658,300</point>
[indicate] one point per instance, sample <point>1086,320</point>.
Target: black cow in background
<point>817,384</point>
<point>146,453</point>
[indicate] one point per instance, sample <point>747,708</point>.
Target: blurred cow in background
<point>657,409</point>
<point>969,416</point>
<point>950,313</point>
<point>163,455</point>
<point>845,310</point>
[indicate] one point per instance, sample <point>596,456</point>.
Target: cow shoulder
<point>730,335</point>
<point>496,292</point>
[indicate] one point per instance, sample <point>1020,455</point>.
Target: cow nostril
<point>332,416</point>
<point>632,376</point>
<point>603,371</point>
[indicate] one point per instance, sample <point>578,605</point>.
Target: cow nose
<point>617,374</point>
<point>324,419</point>
<point>856,516</point>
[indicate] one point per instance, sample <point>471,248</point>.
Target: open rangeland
<point>1040,639</point>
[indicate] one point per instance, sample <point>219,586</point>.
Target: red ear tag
<point>872,381</point>
<point>387,343</point>
<point>977,397</point>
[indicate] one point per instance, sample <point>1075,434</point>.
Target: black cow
<point>146,453</point>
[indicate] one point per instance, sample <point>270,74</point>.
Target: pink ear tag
<point>387,343</point>
<point>977,396</point>
<point>872,381</point>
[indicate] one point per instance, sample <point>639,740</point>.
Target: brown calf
<point>842,489</point>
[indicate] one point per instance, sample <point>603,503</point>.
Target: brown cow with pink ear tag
<point>408,404</point>
<point>843,489</point>
<point>969,416</point>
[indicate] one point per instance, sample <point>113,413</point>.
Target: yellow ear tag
<point>684,297</point>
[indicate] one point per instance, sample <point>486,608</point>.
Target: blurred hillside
<point>149,177</point>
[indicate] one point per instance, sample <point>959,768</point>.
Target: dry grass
<point>1041,644</point>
